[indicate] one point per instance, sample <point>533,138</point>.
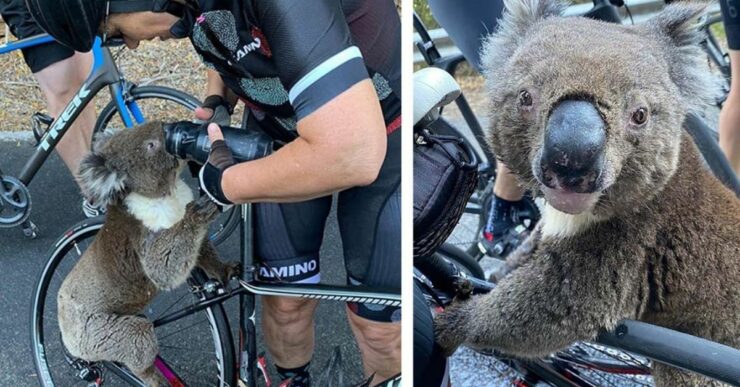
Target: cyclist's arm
<point>342,134</point>
<point>341,145</point>
<point>215,85</point>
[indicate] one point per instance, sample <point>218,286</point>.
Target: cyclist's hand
<point>219,160</point>
<point>215,109</point>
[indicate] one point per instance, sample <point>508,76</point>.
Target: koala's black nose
<point>573,152</point>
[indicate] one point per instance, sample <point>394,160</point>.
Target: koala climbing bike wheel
<point>195,350</point>
<point>158,103</point>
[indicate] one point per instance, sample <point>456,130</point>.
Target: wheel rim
<point>185,345</point>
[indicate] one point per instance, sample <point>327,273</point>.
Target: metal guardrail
<point>641,10</point>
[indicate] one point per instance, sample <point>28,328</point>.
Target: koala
<point>589,115</point>
<point>152,238</point>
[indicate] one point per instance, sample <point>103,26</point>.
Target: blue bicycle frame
<point>104,72</point>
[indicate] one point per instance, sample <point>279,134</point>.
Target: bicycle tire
<point>225,229</point>
<point>462,260</point>
<point>86,230</point>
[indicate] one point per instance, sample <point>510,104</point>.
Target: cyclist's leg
<point>370,224</point>
<point>288,241</point>
<point>60,72</point>
<point>507,195</point>
<point>59,82</point>
<point>729,118</point>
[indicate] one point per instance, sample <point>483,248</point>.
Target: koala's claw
<point>203,209</point>
<point>231,270</point>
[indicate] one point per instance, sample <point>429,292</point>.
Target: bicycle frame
<point>104,72</point>
<point>673,348</point>
<point>251,287</point>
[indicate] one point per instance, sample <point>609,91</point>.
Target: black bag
<point>445,176</point>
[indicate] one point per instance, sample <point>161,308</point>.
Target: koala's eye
<point>639,116</point>
<point>525,99</point>
<point>152,145</point>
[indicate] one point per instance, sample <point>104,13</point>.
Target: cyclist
<point>729,118</point>
<point>323,77</point>
<point>60,71</point>
<point>467,27</point>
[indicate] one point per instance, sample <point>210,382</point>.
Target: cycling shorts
<point>289,236</point>
<point>16,16</point>
<point>430,365</point>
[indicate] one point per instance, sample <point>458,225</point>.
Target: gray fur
<point>127,265</point>
<point>666,246</point>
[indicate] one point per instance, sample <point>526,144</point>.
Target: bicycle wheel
<point>198,348</point>
<point>158,103</point>
<point>462,260</point>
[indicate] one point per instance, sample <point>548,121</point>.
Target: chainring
<point>15,202</point>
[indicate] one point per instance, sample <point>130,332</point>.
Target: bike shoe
<point>503,234</point>
<point>502,242</point>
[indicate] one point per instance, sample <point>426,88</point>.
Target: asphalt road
<point>56,207</point>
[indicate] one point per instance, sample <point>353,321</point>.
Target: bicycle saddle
<point>433,88</point>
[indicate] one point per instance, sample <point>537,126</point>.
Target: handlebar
<point>447,277</point>
<point>664,345</point>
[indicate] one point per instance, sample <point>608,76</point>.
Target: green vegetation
<point>422,9</point>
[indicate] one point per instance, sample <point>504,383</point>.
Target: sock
<point>499,218</point>
<point>300,377</point>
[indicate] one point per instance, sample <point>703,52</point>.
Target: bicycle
<point>623,355</point>
<point>126,101</point>
<point>470,227</point>
<point>584,363</point>
<point>176,314</point>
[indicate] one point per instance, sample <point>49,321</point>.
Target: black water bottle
<point>189,141</point>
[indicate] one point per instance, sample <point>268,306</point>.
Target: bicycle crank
<point>15,202</point>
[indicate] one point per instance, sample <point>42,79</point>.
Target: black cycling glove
<point>219,159</point>
<point>222,110</point>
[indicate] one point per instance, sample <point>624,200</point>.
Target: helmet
<point>75,23</point>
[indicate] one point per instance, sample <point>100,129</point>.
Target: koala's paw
<point>232,270</point>
<point>229,271</point>
<point>202,210</point>
<point>221,271</point>
<point>449,328</point>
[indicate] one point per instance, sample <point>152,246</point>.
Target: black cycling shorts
<point>16,16</point>
<point>289,235</point>
<point>731,18</point>
<point>430,365</point>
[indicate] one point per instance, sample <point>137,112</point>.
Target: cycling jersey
<point>286,59</point>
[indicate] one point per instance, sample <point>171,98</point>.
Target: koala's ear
<point>518,17</point>
<point>103,137</point>
<point>680,23</point>
<point>677,27</point>
<point>99,181</point>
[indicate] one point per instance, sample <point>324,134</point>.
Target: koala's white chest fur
<point>558,224</point>
<point>160,213</point>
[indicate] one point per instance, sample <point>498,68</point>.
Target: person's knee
<point>61,80</point>
<point>381,338</point>
<point>289,311</point>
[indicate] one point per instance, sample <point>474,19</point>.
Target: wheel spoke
<point>181,329</point>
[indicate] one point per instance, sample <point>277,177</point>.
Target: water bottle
<point>189,141</point>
